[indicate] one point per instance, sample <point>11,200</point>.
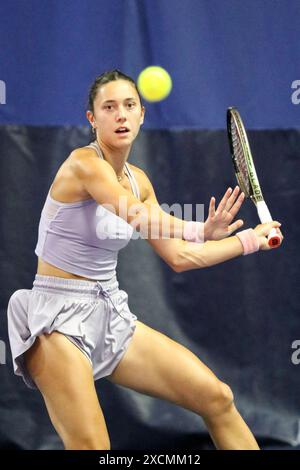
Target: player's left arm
<point>218,225</point>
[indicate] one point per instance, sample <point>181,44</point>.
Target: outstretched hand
<point>218,223</point>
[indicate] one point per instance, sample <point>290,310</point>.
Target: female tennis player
<point>74,326</point>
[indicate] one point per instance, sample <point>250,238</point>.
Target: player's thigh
<point>156,365</point>
<point>64,376</point>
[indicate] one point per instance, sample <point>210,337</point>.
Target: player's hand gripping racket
<point>245,170</point>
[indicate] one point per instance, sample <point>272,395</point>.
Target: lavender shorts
<point>94,315</point>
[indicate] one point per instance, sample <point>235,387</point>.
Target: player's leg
<point>158,366</point>
<point>64,376</point>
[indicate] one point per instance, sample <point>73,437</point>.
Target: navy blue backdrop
<point>241,317</point>
<point>218,52</point>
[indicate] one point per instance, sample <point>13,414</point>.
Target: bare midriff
<point>46,269</point>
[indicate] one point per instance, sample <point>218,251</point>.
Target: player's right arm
<point>197,255</point>
<point>182,255</point>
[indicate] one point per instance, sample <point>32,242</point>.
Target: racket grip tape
<point>274,239</point>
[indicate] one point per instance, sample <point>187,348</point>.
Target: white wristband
<point>249,240</point>
<point>193,231</point>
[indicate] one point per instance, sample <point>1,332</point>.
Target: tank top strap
<point>132,180</point>
<point>94,145</point>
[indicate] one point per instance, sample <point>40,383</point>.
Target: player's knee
<point>221,400</point>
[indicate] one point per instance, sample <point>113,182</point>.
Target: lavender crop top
<point>83,238</point>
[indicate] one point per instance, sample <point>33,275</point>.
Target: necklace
<point>120,177</point>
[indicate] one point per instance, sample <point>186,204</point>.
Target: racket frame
<point>256,193</point>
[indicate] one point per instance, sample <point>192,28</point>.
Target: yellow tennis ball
<point>154,83</point>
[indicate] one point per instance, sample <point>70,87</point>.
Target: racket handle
<point>274,239</point>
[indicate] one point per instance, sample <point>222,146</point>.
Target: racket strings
<point>240,160</point>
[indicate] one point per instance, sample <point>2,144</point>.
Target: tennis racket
<point>245,170</point>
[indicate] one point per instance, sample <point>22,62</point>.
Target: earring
<point>93,130</point>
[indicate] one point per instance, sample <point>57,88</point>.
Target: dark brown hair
<point>106,77</point>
